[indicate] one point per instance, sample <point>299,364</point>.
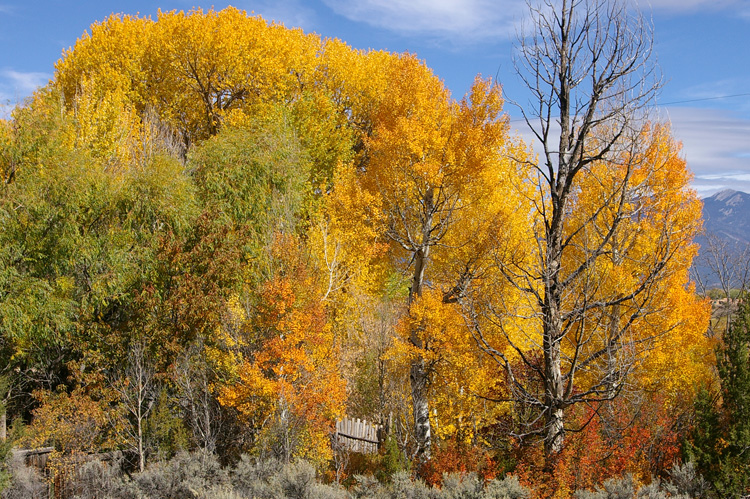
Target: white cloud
<point>739,6</point>
<point>26,82</point>
<point>470,21</point>
<point>16,86</point>
<point>456,20</point>
<point>715,89</point>
<point>291,13</point>
<point>716,145</point>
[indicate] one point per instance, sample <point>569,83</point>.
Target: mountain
<point>727,214</point>
<point>726,224</point>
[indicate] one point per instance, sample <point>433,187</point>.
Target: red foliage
<point>453,456</point>
<point>612,439</point>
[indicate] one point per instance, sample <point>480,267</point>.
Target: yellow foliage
<point>665,322</point>
<point>7,160</point>
<point>462,375</point>
<point>193,69</point>
<point>403,172</point>
<point>442,176</point>
<point>76,425</point>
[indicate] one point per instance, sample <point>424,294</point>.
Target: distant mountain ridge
<point>727,214</point>
<point>726,219</point>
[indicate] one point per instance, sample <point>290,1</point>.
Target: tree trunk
<point>587,64</point>
<point>418,375</point>
<point>612,376</point>
<point>555,435</point>
<point>141,453</point>
<point>3,424</point>
<point>554,389</point>
<point>421,409</point>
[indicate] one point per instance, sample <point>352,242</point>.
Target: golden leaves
<point>400,170</point>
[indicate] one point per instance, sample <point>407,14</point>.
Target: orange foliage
<point>295,363</point>
<point>75,424</point>
<point>614,439</point>
<point>454,456</point>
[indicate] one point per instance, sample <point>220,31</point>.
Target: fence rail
<point>36,458</point>
<point>357,435</point>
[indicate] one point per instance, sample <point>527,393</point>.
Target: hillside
<point>727,214</point>
<point>726,223</point>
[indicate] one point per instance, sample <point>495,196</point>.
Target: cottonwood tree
<point>607,234</point>
<point>434,166</point>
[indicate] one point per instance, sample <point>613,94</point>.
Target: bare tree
<point>586,65</point>
<point>723,265</point>
<point>195,379</point>
<point>136,387</point>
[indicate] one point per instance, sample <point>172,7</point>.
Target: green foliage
<point>165,430</point>
<point>156,197</point>
<point>45,214</point>
<point>78,237</point>
<point>41,133</point>
<point>722,430</point>
<point>324,134</point>
<point>733,364</point>
<point>364,398</point>
<point>255,176</point>
<point>717,293</point>
<point>703,447</point>
<point>393,461</point>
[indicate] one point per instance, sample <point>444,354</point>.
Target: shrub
<point>95,479</point>
<point>365,486</point>
<point>507,488</point>
<point>613,488</point>
<point>224,492</point>
<point>685,480</point>
<point>25,483</point>
<point>403,487</point>
<point>187,475</point>
<point>323,491</point>
<point>267,479</point>
<point>295,480</point>
<point>251,477</point>
<point>461,486</point>
<point>653,491</point>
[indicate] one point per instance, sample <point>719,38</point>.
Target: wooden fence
<point>356,435</point>
<point>59,487</point>
<point>36,458</point>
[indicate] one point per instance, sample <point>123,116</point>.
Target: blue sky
<point>702,46</point>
